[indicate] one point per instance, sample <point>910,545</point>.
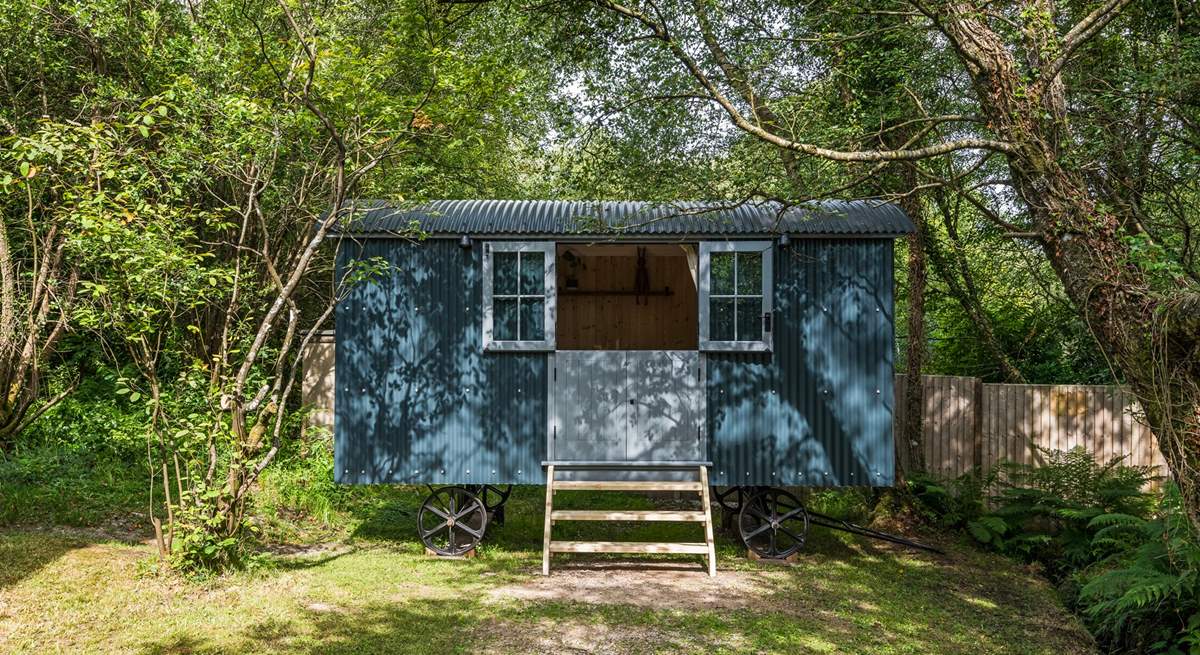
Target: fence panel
<point>968,424</point>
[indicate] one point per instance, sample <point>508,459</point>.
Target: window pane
<point>720,266</point>
<point>504,275</point>
<point>749,319</point>
<point>504,319</point>
<point>533,274</point>
<point>720,326</point>
<point>749,273</point>
<point>533,314</point>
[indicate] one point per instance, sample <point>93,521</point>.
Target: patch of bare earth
<point>545,636</point>
<point>650,585</point>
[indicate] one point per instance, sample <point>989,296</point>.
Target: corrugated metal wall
<point>418,400</point>
<point>818,410</point>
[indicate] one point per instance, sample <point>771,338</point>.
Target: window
<point>518,296</point>
<point>735,295</point>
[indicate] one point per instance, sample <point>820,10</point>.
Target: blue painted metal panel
<point>418,401</point>
<point>818,410</point>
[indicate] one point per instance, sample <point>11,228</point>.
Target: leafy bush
<point>1145,597</point>
<point>1127,563</point>
<point>1048,513</point>
<point>949,503</point>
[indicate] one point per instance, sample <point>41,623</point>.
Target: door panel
<point>667,423</point>
<point>591,405</point>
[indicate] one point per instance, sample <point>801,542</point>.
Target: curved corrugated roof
<point>616,218</point>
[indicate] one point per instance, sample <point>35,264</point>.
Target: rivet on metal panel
<point>518,471</point>
<point>468,471</point>
<point>443,471</point>
<point>362,472</point>
<point>877,392</point>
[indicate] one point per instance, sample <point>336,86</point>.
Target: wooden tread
<point>628,515</point>
<point>627,547</point>
<point>625,485</point>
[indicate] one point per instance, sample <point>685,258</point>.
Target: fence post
<point>977,420</point>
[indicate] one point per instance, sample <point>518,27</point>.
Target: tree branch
<point>1083,30</point>
<point>659,32</point>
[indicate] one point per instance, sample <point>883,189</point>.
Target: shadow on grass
<point>23,553</point>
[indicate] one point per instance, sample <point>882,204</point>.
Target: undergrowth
<point>1124,559</point>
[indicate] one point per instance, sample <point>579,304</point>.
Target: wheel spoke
<point>469,530</point>
<point>432,531</point>
<point>758,531</point>
<point>789,533</point>
<point>754,510</point>
<point>792,514</point>
<point>467,510</point>
<point>774,550</point>
<point>437,511</point>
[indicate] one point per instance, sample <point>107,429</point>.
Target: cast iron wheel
<point>494,497</point>
<point>731,501</point>
<point>452,521</point>
<point>773,524</point>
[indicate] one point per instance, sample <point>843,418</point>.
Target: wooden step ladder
<point>700,486</point>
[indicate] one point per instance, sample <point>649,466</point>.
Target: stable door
<point>627,406</point>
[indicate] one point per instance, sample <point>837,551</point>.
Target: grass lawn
<point>374,591</point>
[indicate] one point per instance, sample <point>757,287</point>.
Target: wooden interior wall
<point>588,320</point>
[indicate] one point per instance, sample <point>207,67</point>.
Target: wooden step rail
<point>703,516</point>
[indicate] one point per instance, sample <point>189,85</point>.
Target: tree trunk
<point>1151,336</point>
<point>911,446</point>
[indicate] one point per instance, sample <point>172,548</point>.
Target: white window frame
<point>550,295</point>
<point>707,248</point>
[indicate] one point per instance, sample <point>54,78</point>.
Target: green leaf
<point>144,131</point>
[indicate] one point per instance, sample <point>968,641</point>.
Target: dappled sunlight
<point>380,594</point>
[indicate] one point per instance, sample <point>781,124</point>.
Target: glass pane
<point>533,314</point>
<point>504,319</point>
<point>720,327</point>
<point>504,275</point>
<point>720,266</point>
<point>749,273</point>
<point>533,274</point>
<point>749,319</point>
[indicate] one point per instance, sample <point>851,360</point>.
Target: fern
<point>1145,598</point>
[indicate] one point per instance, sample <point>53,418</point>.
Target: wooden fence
<point>968,423</point>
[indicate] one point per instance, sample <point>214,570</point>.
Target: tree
<point>1015,64</point>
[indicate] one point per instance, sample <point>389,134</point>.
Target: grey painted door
<point>627,406</point>
<point>668,410</point>
<point>590,405</point>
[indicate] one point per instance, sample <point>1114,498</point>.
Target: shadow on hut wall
<point>818,410</point>
<point>421,402</point>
